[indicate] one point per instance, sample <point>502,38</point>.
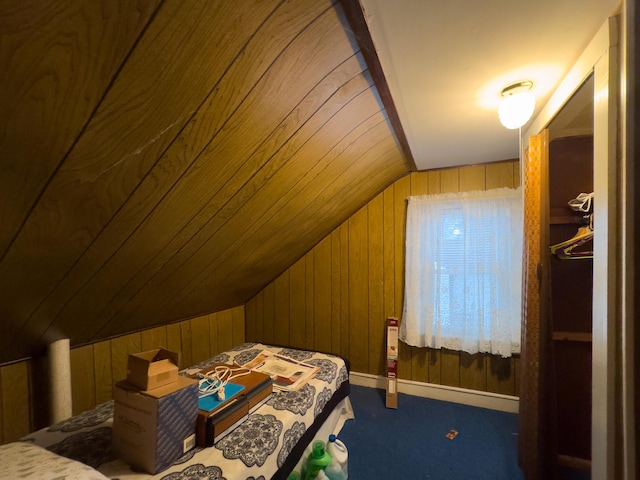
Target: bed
<point>268,445</point>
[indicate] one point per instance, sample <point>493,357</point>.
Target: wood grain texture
<point>62,57</point>
<point>336,292</point>
<point>102,371</point>
<point>154,338</point>
<point>375,294</point>
<point>200,339</point>
<point>16,401</point>
<point>187,343</point>
<point>298,298</point>
<point>167,160</point>
<point>309,330</point>
<point>358,292</point>
<point>238,325</point>
<point>121,347</point>
<point>282,312</point>
<point>322,324</point>
<point>83,379</point>
<point>96,367</point>
<point>367,281</point>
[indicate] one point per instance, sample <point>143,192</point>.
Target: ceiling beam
<point>358,23</point>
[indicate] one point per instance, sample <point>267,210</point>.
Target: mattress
<point>267,445</point>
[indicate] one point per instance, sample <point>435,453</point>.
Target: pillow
<point>22,460</point>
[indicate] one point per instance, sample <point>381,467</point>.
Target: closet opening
<point>570,231</point>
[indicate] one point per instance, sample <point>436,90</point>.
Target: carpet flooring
<point>411,442</point>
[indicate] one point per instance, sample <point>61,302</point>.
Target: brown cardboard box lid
<point>152,369</point>
<point>159,392</point>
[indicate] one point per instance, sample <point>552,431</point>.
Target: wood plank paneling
<point>268,122</point>
<point>225,332</point>
<point>134,110</point>
<point>322,324</point>
<point>375,295</point>
<point>121,347</point>
<point>73,48</point>
<point>187,343</point>
<point>247,132</point>
<point>103,371</point>
<point>174,342</point>
<point>251,309</point>
<point>358,292</point>
<point>344,290</point>
<point>389,253</point>
<point>96,367</point>
<point>16,401</point>
<point>336,292</point>
<point>473,371</point>
<point>238,325</point>
<point>501,175</point>
<point>214,338</point>
<point>200,339</point>
<point>309,333</point>
<point>154,338</point>
<point>281,298</point>
<point>501,375</point>
<point>269,313</point>
<point>297,281</point>
<point>472,178</point>
<point>83,379</point>
<point>367,278</point>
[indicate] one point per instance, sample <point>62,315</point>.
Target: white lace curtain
<point>463,271</point>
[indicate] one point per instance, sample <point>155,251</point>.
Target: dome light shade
<point>517,106</point>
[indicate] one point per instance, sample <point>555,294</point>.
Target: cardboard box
<point>392,363</point>
<point>152,369</point>
<point>153,428</point>
<point>215,424</point>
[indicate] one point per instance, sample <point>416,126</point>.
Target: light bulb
<point>517,106</point>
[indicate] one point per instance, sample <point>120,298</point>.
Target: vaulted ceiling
<point>165,159</point>
<point>162,159</point>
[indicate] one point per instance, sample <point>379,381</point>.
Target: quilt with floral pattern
<point>265,446</point>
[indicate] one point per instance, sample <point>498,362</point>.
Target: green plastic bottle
<point>293,476</point>
<point>318,460</point>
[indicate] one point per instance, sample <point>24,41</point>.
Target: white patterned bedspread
<point>255,450</point>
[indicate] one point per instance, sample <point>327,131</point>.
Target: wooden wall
<point>96,367</point>
<point>337,297</point>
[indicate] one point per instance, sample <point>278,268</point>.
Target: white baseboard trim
<point>475,398</point>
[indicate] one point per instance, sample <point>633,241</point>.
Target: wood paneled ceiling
<point>166,159</point>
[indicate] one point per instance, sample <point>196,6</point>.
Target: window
<point>463,272</point>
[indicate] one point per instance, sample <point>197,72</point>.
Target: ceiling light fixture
<point>517,104</point>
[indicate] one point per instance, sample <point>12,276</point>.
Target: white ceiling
<point>446,62</point>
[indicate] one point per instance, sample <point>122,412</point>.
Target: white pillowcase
<point>22,460</point>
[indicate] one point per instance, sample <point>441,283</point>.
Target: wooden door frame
<point>600,59</point>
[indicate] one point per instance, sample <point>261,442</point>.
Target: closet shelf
<point>575,462</point>
<point>572,336</point>
<point>565,216</point>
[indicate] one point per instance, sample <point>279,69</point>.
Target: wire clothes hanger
<point>565,250</point>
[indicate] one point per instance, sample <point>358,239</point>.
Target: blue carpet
<point>411,442</point>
